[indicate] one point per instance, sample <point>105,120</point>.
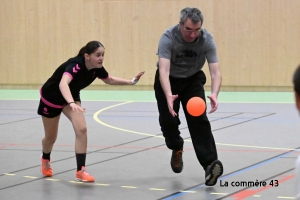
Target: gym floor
<point>256,136</point>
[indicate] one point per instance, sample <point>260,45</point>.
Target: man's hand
<point>170,101</point>
<point>213,103</point>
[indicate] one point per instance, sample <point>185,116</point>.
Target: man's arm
<point>164,72</point>
<point>216,80</point>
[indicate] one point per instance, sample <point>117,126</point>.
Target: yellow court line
<point>131,187</point>
<point>76,182</point>
<point>219,193</point>
<point>51,179</point>
<point>157,189</point>
<point>95,116</point>
<point>101,184</point>
<point>29,176</point>
<point>188,191</point>
<point>280,197</point>
<point>256,195</point>
<point>8,174</point>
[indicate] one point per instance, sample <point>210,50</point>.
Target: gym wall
<point>258,40</point>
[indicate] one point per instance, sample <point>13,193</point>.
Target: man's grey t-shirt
<point>186,58</point>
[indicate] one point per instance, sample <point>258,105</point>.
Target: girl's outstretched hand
<point>137,78</point>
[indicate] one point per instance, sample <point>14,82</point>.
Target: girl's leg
<point>51,129</point>
<point>78,121</point>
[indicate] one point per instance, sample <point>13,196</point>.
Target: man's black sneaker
<point>213,172</point>
<point>176,161</point>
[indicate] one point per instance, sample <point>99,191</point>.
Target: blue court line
<point>230,175</point>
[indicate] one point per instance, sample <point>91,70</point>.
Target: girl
<point>61,93</point>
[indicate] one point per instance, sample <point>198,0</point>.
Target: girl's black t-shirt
<point>80,75</point>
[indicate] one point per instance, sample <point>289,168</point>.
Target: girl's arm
<point>65,91</point>
<point>120,81</point>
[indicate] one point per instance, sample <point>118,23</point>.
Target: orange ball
<point>195,106</point>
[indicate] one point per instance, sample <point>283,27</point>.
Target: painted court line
<point>191,190</point>
<point>158,189</point>
<point>101,184</point>
<point>95,116</point>
<point>189,141</point>
<point>33,177</point>
<point>130,187</point>
<point>187,191</point>
<point>51,179</point>
<point>240,195</point>
<point>78,182</point>
<point>8,174</point>
<point>219,193</point>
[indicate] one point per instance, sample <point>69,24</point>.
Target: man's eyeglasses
<point>190,30</point>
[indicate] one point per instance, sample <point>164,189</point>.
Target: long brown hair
<point>90,48</point>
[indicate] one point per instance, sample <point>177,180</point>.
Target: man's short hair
<point>193,13</point>
<point>296,80</point>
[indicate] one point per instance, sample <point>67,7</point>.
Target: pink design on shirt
<point>68,74</point>
<point>76,68</point>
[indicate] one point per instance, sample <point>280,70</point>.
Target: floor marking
<point>8,174</point>
<point>256,195</point>
<point>29,176</point>
<point>132,187</point>
<point>51,179</point>
<point>76,182</point>
<point>157,189</point>
<point>280,197</point>
<point>184,191</point>
<point>219,193</point>
<point>101,184</point>
<point>95,116</point>
<point>257,147</point>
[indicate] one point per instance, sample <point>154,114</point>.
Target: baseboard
<point>224,88</point>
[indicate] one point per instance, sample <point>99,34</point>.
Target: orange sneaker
<point>84,176</point>
<point>46,168</point>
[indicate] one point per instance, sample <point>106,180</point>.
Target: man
<point>182,52</point>
<point>296,83</point>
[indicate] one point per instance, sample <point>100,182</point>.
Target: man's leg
<point>168,123</point>
<point>200,130</point>
<point>169,126</point>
